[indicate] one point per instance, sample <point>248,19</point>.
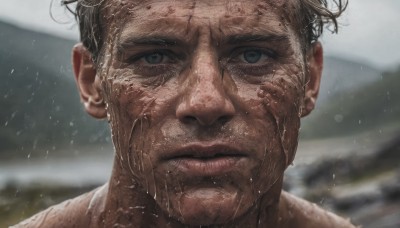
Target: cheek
<point>281,101</point>
<point>129,111</point>
<point>277,109</point>
<point>127,105</point>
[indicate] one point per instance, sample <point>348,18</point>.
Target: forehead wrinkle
<point>161,27</point>
<point>185,25</point>
<point>255,25</point>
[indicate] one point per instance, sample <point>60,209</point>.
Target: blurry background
<point>348,159</point>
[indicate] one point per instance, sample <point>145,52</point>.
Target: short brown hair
<point>314,15</point>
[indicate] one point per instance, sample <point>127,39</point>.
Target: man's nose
<point>206,100</point>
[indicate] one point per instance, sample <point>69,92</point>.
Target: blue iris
<point>252,56</point>
<point>154,58</point>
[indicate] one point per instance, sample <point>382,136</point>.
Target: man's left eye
<point>255,56</point>
<point>154,58</point>
<point>252,56</point>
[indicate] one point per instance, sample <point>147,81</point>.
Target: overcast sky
<point>370,29</point>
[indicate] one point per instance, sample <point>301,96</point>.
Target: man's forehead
<point>206,8</point>
<point>179,17</point>
<point>167,7</point>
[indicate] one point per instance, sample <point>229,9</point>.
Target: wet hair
<point>313,16</point>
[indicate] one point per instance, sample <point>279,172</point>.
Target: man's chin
<point>208,206</point>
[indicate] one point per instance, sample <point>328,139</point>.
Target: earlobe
<point>315,65</point>
<point>89,85</point>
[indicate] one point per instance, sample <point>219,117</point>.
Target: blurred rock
<point>362,186</point>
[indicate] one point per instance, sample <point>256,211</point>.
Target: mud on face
<point>212,75</point>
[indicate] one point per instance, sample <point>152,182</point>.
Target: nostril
<point>224,119</point>
<point>204,121</point>
<point>189,119</point>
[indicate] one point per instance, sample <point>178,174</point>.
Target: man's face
<point>204,100</point>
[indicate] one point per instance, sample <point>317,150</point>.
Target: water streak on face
<point>211,75</point>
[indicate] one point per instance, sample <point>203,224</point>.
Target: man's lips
<point>205,160</point>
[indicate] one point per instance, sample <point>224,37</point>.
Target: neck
<point>128,205</point>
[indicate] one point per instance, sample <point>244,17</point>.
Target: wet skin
<point>204,99</point>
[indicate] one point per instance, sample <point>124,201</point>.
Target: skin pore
<point>204,100</point>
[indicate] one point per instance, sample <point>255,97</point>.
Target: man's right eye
<point>153,58</point>
<point>161,63</point>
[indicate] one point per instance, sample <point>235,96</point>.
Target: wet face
<point>204,99</point>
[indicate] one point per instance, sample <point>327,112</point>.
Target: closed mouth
<point>205,160</point>
<point>206,156</point>
<point>204,152</point>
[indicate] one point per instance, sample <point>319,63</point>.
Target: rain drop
<point>338,118</point>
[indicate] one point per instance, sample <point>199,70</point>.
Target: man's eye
<point>252,56</point>
<point>154,58</point>
<point>256,56</point>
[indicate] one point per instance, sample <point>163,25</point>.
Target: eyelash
<point>173,56</point>
<point>164,52</point>
<point>235,62</point>
<point>269,53</point>
<point>252,72</point>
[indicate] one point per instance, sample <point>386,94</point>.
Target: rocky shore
<point>363,185</point>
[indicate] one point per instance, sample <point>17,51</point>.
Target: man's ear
<point>315,62</point>
<point>89,85</point>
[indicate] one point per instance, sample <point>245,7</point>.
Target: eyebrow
<point>246,38</point>
<point>170,41</point>
<point>148,41</point>
<point>156,40</point>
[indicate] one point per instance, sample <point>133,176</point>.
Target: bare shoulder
<point>77,212</point>
<point>301,213</point>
